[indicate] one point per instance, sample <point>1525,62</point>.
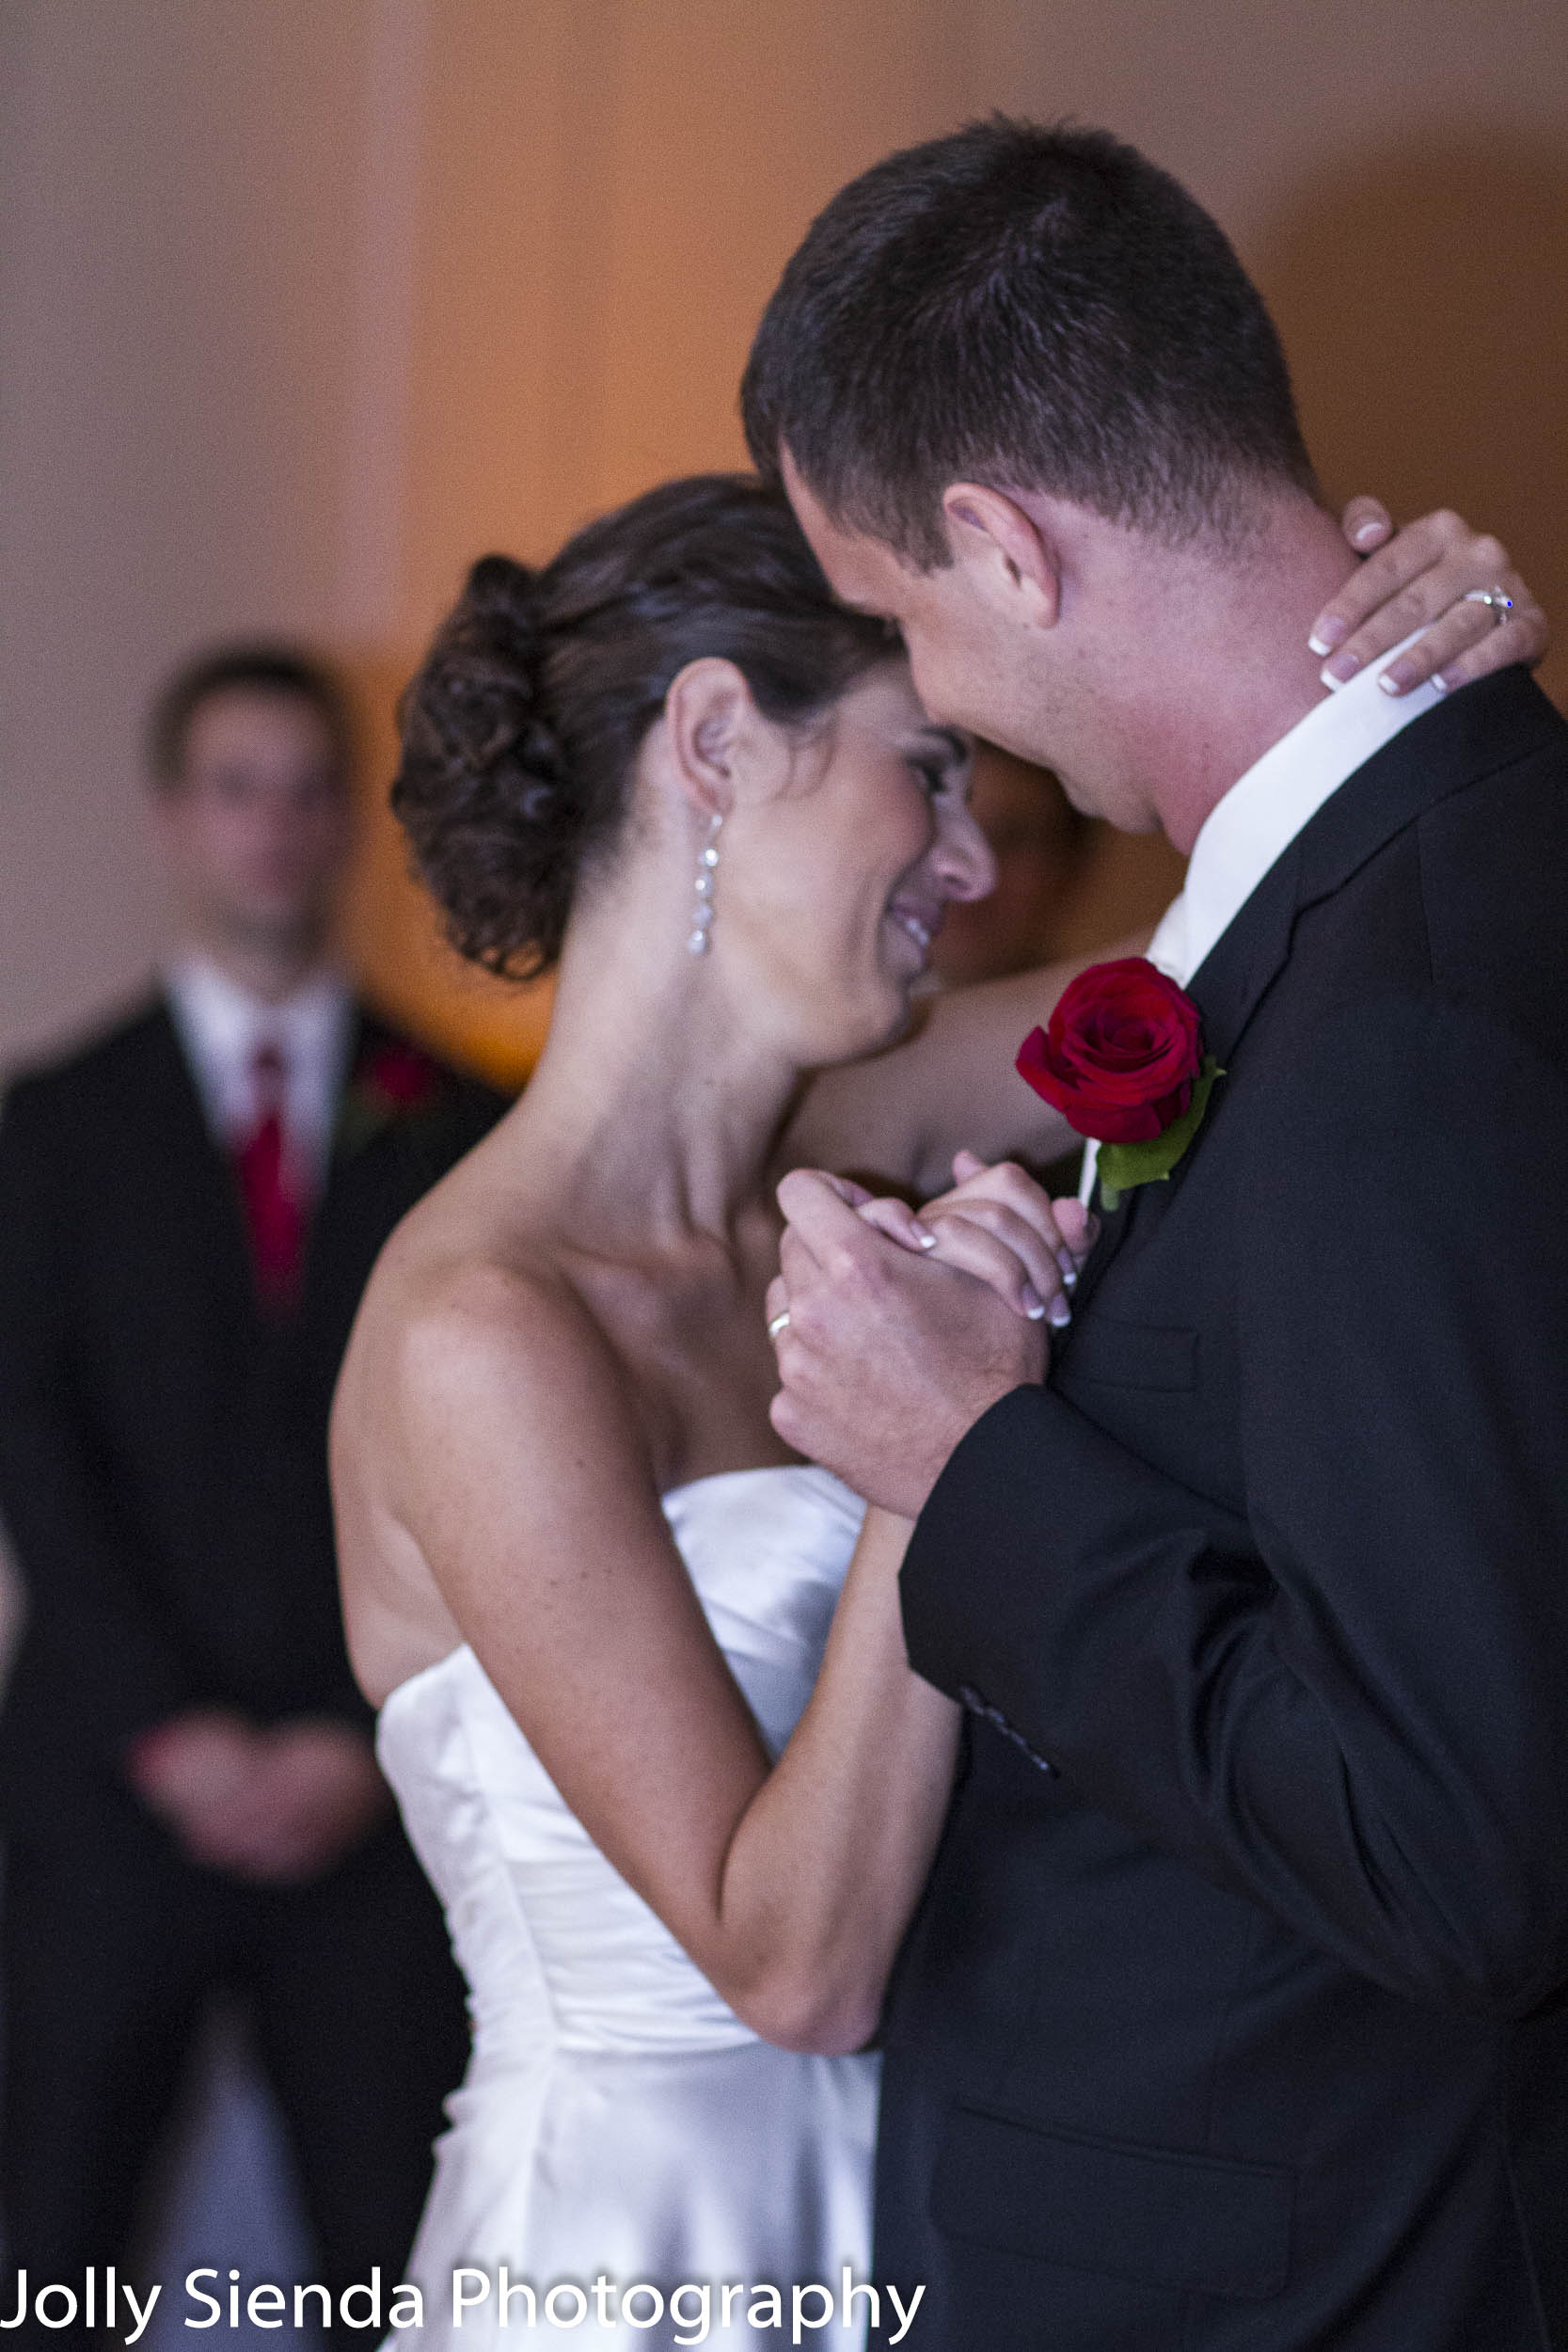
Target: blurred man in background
<point>189,1207</point>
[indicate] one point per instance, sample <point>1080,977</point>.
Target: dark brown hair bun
<point>521,729</point>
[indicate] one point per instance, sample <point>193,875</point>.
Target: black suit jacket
<point>1234,2014</point>
<point>163,1443</point>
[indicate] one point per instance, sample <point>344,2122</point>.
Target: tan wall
<point>304,306</point>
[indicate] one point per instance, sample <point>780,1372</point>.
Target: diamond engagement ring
<point>1498,602</point>
<point>778,1324</point>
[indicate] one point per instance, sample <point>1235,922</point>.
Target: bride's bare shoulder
<point>477,1396</point>
<point>466,1314</point>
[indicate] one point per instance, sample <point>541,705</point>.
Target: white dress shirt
<point>1251,827</point>
<point>222,1027</point>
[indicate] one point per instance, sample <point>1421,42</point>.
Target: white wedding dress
<point>617,2119</point>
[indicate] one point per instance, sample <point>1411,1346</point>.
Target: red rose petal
<point>1121,1054</point>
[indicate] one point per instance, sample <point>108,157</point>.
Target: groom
<point>1234,2015</point>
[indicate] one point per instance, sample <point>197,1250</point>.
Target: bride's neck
<point>657,1102</point>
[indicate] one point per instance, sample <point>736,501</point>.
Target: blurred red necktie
<point>274,1210</point>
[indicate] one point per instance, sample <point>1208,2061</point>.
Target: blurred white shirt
<point>222,1027</point>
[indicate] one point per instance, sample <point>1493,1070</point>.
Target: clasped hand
<point>904,1327</point>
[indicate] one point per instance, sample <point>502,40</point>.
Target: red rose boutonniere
<point>1123,1061</point>
<point>393,1081</point>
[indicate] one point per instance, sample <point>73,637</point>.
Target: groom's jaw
<point>1168,670</point>
<point>1213,667</point>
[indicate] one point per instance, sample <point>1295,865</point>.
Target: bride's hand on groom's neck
<point>1430,575</point>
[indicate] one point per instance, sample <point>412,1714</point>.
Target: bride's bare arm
<point>862,1789</point>
<point>528,1489</point>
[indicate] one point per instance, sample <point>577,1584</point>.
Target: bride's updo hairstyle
<point>521,730</point>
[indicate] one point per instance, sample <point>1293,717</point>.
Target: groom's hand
<point>889,1356</point>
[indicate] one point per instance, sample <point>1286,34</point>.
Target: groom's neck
<point>1225,670</point>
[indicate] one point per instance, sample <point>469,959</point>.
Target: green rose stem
<point>1120,1166</point>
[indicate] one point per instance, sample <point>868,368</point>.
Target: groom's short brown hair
<point>1039,309</point>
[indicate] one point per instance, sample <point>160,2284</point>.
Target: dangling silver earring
<point>702,913</point>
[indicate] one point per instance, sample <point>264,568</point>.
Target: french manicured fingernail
<point>922,1233</point>
<point>1396,677</point>
<point>1339,671</point>
<point>1061,1314</point>
<point>1068,1265</point>
<point>1441,681</point>
<point>1330,631</point>
<point>1033,1305</point>
<point>1365,532</point>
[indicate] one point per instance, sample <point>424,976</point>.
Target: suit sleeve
<point>1353,1707</point>
<point>88,1591</point>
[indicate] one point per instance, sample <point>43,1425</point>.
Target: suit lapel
<point>195,1182</point>
<point>365,1173</point>
<point>1483,729</point>
<point>364,1035</point>
<point>326,1212</point>
<point>1486,728</point>
<point>1227,988</point>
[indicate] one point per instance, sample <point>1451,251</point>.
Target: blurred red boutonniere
<point>393,1081</point>
<point>1122,1060</point>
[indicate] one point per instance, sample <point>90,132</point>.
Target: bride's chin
<point>896,1016</point>
<point>899,1025</point>
<point>855,1040</point>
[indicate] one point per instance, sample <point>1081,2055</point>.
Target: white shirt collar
<point>221,1025</point>
<point>1251,827</point>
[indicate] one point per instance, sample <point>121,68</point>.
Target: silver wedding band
<point>1497,601</point>
<point>778,1324</point>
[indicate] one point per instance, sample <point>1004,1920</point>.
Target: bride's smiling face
<point>831,888</point>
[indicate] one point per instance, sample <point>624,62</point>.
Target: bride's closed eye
<point>944,766</point>
<point>935,776</point>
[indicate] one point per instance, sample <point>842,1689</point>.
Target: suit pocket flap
<point>1153,2216</point>
<point>1131,1355</point>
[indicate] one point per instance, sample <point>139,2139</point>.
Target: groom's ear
<point>1008,557</point>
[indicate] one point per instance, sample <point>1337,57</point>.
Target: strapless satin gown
<point>617,2119</point>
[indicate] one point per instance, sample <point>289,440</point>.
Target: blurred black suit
<point>162,1479</point>
<point>1235,2016</point>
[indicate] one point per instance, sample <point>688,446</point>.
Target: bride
<point>643,1688</point>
